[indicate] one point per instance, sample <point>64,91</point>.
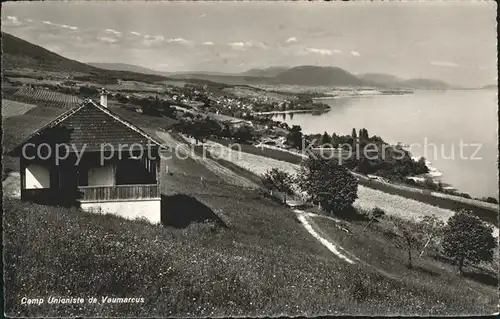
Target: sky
<point>451,41</point>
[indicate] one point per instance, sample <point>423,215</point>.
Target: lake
<point>457,131</point>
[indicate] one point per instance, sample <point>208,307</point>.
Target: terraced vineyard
<point>46,98</point>
<point>13,108</point>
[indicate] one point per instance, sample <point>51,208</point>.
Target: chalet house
<point>91,158</point>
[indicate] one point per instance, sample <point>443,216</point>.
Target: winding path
<point>303,218</point>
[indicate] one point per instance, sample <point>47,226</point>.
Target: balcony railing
<point>68,197</point>
<point>103,193</point>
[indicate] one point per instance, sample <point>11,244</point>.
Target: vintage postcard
<point>249,159</point>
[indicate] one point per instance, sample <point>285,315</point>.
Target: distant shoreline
<point>291,111</point>
<point>331,97</point>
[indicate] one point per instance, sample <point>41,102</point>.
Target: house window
<point>134,171</point>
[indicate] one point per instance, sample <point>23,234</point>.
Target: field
<point>156,123</point>
<point>35,81</point>
<point>175,83</point>
<point>46,98</point>
<point>264,151</point>
<point>135,86</point>
<point>368,198</point>
<point>486,211</point>
<point>13,108</point>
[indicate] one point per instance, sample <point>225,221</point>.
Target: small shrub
<point>464,195</point>
<point>363,288</point>
<point>279,180</point>
<point>377,213</point>
<point>491,200</point>
<point>359,291</point>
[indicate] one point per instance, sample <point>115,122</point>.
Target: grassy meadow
<point>225,251</point>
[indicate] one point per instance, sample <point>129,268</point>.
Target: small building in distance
<point>91,158</point>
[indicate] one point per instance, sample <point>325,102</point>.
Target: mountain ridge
<point>19,53</point>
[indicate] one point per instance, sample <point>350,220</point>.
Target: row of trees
<point>392,162</point>
<point>335,141</point>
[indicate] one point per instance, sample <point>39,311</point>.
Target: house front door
<point>68,185</point>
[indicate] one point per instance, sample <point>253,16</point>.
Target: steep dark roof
<point>92,125</point>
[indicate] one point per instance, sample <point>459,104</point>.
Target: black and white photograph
<point>195,159</point>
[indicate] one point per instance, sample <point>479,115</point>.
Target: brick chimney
<point>104,97</point>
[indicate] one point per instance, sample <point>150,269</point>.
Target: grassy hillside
<point>18,53</point>
<point>23,54</point>
<point>230,252</point>
<point>17,128</point>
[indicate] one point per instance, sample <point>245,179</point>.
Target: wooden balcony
<point>71,197</point>
<point>117,192</point>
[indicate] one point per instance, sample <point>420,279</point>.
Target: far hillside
<point>490,87</point>
<point>426,84</point>
<point>21,54</point>
<point>381,79</point>
<point>229,79</point>
<point>265,72</point>
<point>300,75</point>
<point>316,75</point>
